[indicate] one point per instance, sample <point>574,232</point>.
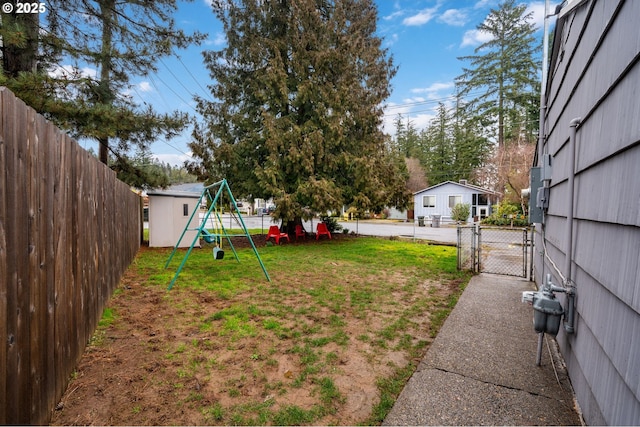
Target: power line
<point>191,74</point>
<point>176,77</point>
<point>175,93</point>
<point>164,141</point>
<point>426,102</point>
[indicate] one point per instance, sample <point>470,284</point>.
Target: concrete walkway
<point>481,370</point>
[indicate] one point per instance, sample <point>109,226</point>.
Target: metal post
<point>525,242</point>
<point>478,241</point>
<point>539,354</point>
<point>532,232</point>
<point>458,243</point>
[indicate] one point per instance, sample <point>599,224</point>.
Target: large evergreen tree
<point>505,70</point>
<point>299,91</point>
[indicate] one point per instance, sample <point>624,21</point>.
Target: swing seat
<point>274,232</point>
<point>218,253</point>
<point>210,238</point>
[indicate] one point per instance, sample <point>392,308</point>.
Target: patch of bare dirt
<point>170,359</point>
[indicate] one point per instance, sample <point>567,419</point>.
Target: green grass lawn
<point>342,322</point>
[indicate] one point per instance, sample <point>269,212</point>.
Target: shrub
<point>461,212</point>
<point>507,214</point>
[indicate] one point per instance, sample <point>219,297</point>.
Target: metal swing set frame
<point>217,189</point>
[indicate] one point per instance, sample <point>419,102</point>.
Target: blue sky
<point>425,38</point>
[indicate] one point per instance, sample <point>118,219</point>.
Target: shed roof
<point>191,190</point>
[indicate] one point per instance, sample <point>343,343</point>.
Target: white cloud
<point>435,87</point>
<point>537,10</point>
<point>475,38</point>
<point>173,159</point>
<point>219,40</point>
<point>145,87</point>
<point>71,71</point>
<point>391,40</point>
<point>455,17</point>
<point>421,17</point>
<point>394,15</point>
<point>481,4</point>
<point>421,121</point>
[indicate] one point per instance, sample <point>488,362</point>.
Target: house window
<point>185,209</point>
<point>483,199</point>
<point>454,200</point>
<point>429,201</point>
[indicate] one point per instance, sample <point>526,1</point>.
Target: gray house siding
<point>595,76</point>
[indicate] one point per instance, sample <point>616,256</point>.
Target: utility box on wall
<point>535,211</point>
<point>169,213</point>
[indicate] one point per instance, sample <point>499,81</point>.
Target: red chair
<point>274,232</point>
<point>322,229</point>
<point>300,232</point>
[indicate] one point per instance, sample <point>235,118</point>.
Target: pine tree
<point>120,39</point>
<point>439,154</point>
<point>505,70</point>
<point>407,138</point>
<point>19,33</point>
<point>471,148</point>
<point>300,87</point>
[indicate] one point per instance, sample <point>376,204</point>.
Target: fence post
<point>458,244</point>
<point>477,239</point>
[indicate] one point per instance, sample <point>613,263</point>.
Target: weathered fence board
<point>68,230</point>
<point>4,272</point>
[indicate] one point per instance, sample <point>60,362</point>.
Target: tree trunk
<point>105,94</point>
<point>104,150</point>
<point>290,226</point>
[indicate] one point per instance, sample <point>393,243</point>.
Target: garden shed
<point>169,214</point>
<point>441,198</point>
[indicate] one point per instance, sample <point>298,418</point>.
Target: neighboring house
<point>169,213</point>
<point>592,237</point>
<point>440,198</point>
<point>397,214</point>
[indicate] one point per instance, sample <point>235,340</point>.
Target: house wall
<point>595,76</point>
<point>167,221</point>
<point>442,194</point>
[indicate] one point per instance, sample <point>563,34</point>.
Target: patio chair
<point>274,232</point>
<point>300,232</point>
<point>322,229</point>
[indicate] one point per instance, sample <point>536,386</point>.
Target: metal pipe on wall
<point>570,316</point>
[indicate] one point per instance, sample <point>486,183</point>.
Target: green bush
<point>507,214</point>
<point>461,212</point>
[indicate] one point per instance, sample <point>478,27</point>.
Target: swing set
<point>212,195</point>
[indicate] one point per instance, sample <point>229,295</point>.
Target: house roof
<point>467,186</point>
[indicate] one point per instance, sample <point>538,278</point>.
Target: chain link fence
<point>467,248</point>
<point>495,250</point>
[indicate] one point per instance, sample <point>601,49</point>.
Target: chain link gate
<point>497,250</point>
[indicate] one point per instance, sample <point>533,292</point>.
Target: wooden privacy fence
<point>68,230</point>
